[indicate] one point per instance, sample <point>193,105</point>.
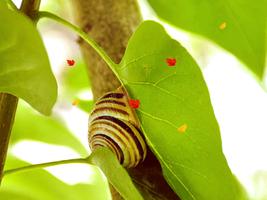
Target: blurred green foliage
<point>33,126</point>
<point>75,79</point>
<point>41,185</point>
<point>238,26</point>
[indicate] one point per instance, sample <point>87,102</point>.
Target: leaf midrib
<point>166,166</point>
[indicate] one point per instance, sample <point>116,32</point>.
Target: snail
<point>113,123</point>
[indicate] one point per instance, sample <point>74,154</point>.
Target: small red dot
<point>134,103</point>
<point>70,62</point>
<point>171,62</point>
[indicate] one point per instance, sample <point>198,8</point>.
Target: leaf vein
<point>137,59</point>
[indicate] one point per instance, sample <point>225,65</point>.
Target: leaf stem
<point>83,35</point>
<point>48,164</point>
<point>88,160</point>
<point>30,7</point>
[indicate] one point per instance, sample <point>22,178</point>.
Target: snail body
<point>114,124</point>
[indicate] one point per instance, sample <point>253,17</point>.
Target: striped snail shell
<point>114,124</point>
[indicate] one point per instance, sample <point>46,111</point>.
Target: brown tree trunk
<point>111,23</point>
<point>8,106</point>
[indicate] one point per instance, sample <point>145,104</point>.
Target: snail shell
<point>114,124</point>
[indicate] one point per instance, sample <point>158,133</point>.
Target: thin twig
<point>43,165</point>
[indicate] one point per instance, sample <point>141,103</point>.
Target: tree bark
<point>111,23</point>
<point>8,105</point>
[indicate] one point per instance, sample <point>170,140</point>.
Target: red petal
<point>171,62</point>
<point>70,62</point>
<point>134,103</point>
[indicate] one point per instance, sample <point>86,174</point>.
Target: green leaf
<point>176,115</point>
<point>24,66</point>
<point>116,174</point>
<point>244,34</point>
<point>42,128</point>
<point>3,5</point>
<point>41,185</point>
<point>11,195</point>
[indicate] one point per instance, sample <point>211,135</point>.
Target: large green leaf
<point>176,115</point>
<point>41,185</point>
<point>3,5</point>
<point>115,173</point>
<point>11,195</point>
<point>24,66</point>
<point>237,25</point>
<point>33,126</point>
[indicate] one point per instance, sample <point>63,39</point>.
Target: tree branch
<point>111,23</point>
<point>30,7</point>
<point>8,105</point>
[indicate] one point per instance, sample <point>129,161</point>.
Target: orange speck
<point>75,102</point>
<point>134,103</point>
<point>182,128</point>
<point>70,62</point>
<point>222,26</point>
